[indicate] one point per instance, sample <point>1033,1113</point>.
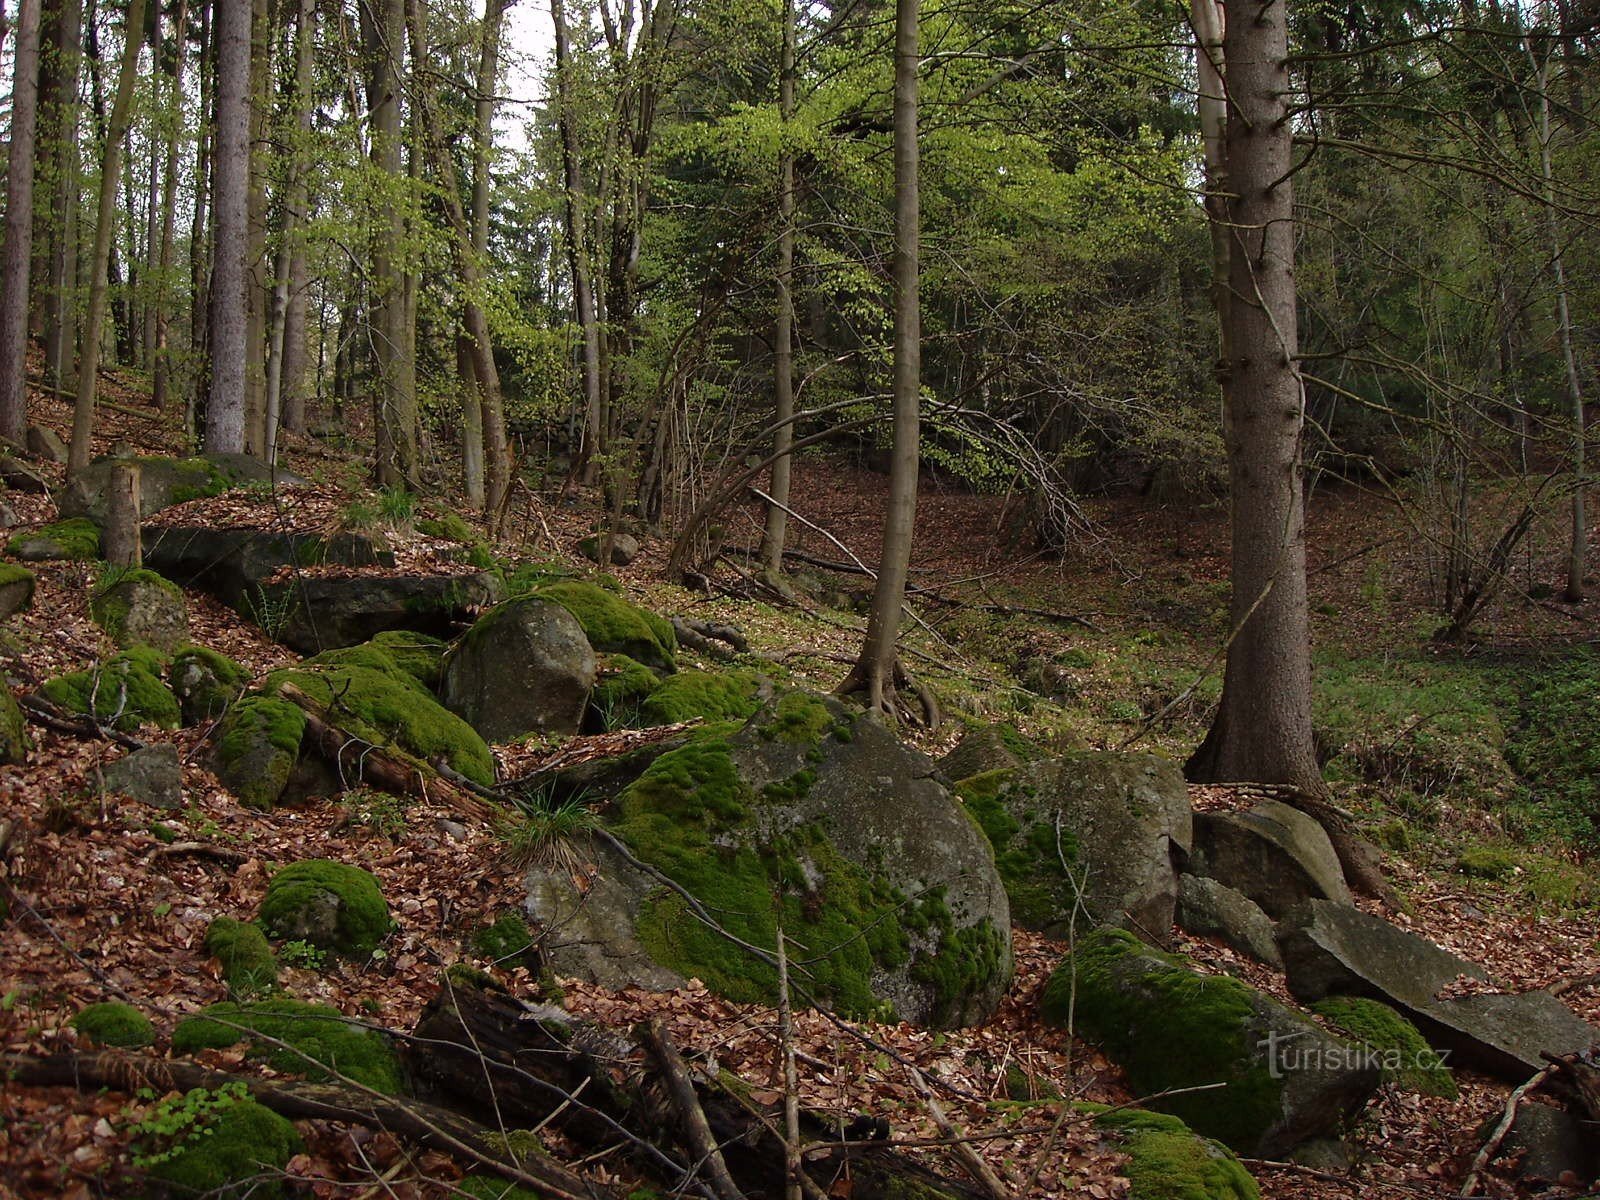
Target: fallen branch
<point>1492,1147</point>
<point>970,1158</point>
<point>702,636</point>
<point>696,1129</point>
<point>203,849</point>
<point>47,716</point>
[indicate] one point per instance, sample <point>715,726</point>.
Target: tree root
<point>883,688</point>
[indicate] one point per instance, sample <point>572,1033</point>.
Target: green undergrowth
<point>215,1143</point>
<point>126,691</point>
<point>308,1039</point>
<point>622,687</point>
<point>1403,1054</point>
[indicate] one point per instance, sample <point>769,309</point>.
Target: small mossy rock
<point>319,1038</point>
<point>386,706</point>
<point>320,612</point>
<point>1169,1161</point>
<point>507,943</point>
<point>621,686</point>
<point>525,667</point>
<point>232,564</point>
<point>114,1024</point>
<point>77,538</point>
<point>613,626</point>
<point>624,548</point>
<point>1274,854</point>
<point>126,691</point>
<point>258,744</point>
<point>1332,949</point>
<point>1117,820</point>
<point>248,964</point>
<point>1284,1079</point>
<point>812,815</point>
<point>13,729</point>
<point>164,482</point>
<point>205,682</point>
<point>45,444</point>
<point>140,608</point>
<point>152,775</point>
<point>329,904</point>
<point>979,751</point>
<point>1207,908</point>
<point>704,695</point>
<point>419,655</point>
<point>233,1156</point>
<point>16,589</point>
<point>1403,1054</point>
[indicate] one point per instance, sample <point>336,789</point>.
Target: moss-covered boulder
<point>231,1153</point>
<point>812,816</point>
<point>13,729</point>
<point>16,589</point>
<point>317,1040</point>
<point>621,685</point>
<point>258,744</point>
<point>1402,1053</point>
<point>328,904</point>
<point>419,655</point>
<point>248,964</point>
<point>205,682</point>
<point>523,668</point>
<point>125,691</point>
<point>164,482</point>
<point>703,695</point>
<point>613,626</point>
<point>1169,1161</point>
<point>78,538</point>
<point>1102,825</point>
<point>1282,1079</point>
<point>987,748</point>
<point>140,608</point>
<point>388,707</point>
<point>114,1024</point>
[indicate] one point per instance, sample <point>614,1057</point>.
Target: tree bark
<point>18,260</point>
<point>1262,729</point>
<point>228,319</point>
<point>775,533</point>
<point>60,306</point>
<point>483,441</point>
<point>257,286</point>
<point>199,228</point>
<point>294,205</point>
<point>161,383</point>
<point>105,225</point>
<point>121,543</point>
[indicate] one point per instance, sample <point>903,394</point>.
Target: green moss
<point>391,707</point>
<point>13,729</point>
<point>417,654</point>
<point>126,690</point>
<point>247,960</point>
<point>487,1187</point>
<point>613,626</point>
<point>111,599</point>
<point>1182,1166</point>
<point>258,744</point>
<point>452,527</point>
<point>803,720</point>
<point>507,942</point>
<point>204,681</point>
<point>708,695</point>
<point>12,575</point>
<point>967,960</point>
<point>362,920</point>
<point>193,478</point>
<point>622,686</point>
<point>78,538</point>
<point>230,1154</point>
<point>1174,1028</point>
<point>114,1024</point>
<point>902,1187</point>
<point>1013,740</point>
<point>1488,862</point>
<point>1403,1054</point>
<point>522,578</point>
<point>316,1040</point>
<point>1036,880</point>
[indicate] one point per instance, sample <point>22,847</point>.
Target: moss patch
<point>78,538</point>
<point>613,626</point>
<point>125,691</point>
<point>18,581</point>
<point>114,1024</point>
<point>802,719</point>
<point>13,729</point>
<point>1403,1054</point>
<point>316,1039</point>
<point>1498,863</point>
<point>508,942</point>
<point>205,682</point>
<point>329,904</point>
<point>1172,1029</point>
<point>708,695</point>
<point>622,686</point>
<point>419,655</point>
<point>1029,860</point>
<point>247,960</point>
<point>258,744</point>
<point>228,1155</point>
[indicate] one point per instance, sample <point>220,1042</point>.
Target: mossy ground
<point>1404,1055</point>
<point>363,916</point>
<point>507,942</point>
<point>236,1153</point>
<point>1169,1161</point>
<point>1029,860</point>
<point>114,1024</point>
<point>613,626</point>
<point>248,963</point>
<point>706,695</point>
<point>1174,1029</point>
<point>127,691</point>
<point>76,538</point>
<point>316,1040</point>
<point>14,575</point>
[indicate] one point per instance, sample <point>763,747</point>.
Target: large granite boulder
<point>164,482</point>
<point>613,625</point>
<point>1331,949</point>
<point>315,612</point>
<point>1284,1080</point>
<point>524,667</point>
<point>1274,854</point>
<point>1097,828</point>
<point>1207,908</point>
<point>232,564</point>
<point>812,816</point>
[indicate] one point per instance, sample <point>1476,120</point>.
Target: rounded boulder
<point>525,667</point>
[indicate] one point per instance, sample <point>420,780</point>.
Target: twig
<point>42,713</point>
<point>792,1168</point>
<point>970,1158</point>
<point>680,1087</point>
<point>1503,1127</point>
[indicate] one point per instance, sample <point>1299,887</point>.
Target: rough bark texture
<point>120,542</point>
<point>1262,730</point>
<point>225,401</point>
<point>18,260</point>
<point>485,425</point>
<point>59,113</point>
<point>777,526</point>
<point>161,384</point>
<point>278,382</point>
<point>394,410</point>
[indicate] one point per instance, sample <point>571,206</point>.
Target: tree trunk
<point>105,225</point>
<point>775,534</point>
<point>1206,16</point>
<point>121,543</point>
<point>471,423</point>
<point>18,260</point>
<point>228,319</point>
<point>877,672</point>
<point>474,452</point>
<point>61,309</point>
<point>292,381</point>
<point>199,228</point>
<point>293,206</point>
<point>1262,729</point>
<point>161,384</point>
<point>257,287</point>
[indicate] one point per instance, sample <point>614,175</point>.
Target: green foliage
<point>247,961</point>
<point>229,1148</point>
<point>382,812</point>
<point>77,538</point>
<point>316,1040</point>
<point>1554,746</point>
<point>539,836</point>
<point>125,692</point>
<point>710,696</point>
<point>622,685</point>
<point>613,626</point>
<point>303,956</point>
<point>114,1023</point>
<point>309,886</point>
<point>1403,1053</point>
<point>396,506</point>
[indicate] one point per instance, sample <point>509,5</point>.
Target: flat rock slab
<point>1332,949</point>
<point>1274,854</point>
<point>232,564</point>
<point>1211,909</point>
<point>325,612</point>
<point>164,482</point>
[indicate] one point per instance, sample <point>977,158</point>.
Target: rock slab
<point>1274,854</point>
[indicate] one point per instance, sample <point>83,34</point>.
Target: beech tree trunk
<point>18,260</point>
<point>60,107</point>
<point>483,441</point>
<point>775,534</point>
<point>293,214</point>
<point>257,286</point>
<point>161,385</point>
<point>105,226</point>
<point>228,319</point>
<point>199,227</point>
<point>1262,729</point>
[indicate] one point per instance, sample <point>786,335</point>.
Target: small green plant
<point>396,506</point>
<point>541,836</point>
<point>167,1128</point>
<point>302,954</point>
<point>359,515</point>
<point>271,612</point>
<point>380,812</point>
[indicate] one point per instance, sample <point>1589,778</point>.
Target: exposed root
<point>884,687</point>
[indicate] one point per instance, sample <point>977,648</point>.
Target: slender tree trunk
<point>105,224</point>
<point>878,670</point>
<point>474,453</point>
<point>18,258</point>
<point>199,227</point>
<point>293,206</point>
<point>776,530</point>
<point>394,410</point>
<point>1206,16</point>
<point>1262,730</point>
<point>258,288</point>
<point>228,320</point>
<point>161,385</point>
<point>472,448</point>
<point>60,301</point>
<point>150,273</point>
<point>292,384</point>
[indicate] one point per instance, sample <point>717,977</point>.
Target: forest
<point>823,599</point>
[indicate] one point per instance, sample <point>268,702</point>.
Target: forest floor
<point>104,908</point>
